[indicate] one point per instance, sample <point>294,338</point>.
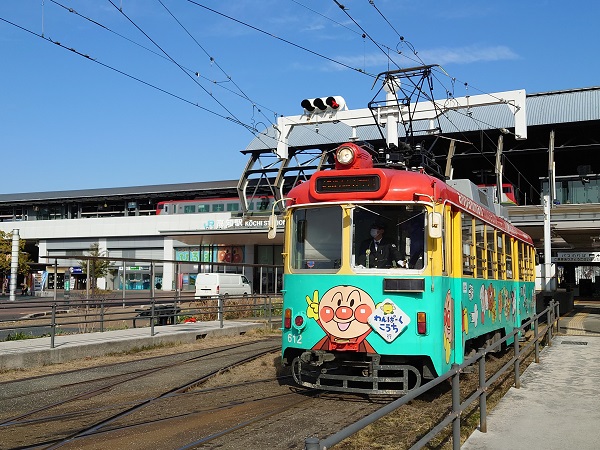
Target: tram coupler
<point>317,357</point>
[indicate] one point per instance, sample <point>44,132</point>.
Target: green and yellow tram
<point>446,276</point>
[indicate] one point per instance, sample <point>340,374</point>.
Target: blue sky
<point>134,112</point>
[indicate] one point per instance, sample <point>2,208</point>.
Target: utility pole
<point>14,264</point>
<point>549,280</point>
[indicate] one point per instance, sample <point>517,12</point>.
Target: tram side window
<point>189,209</point>
<point>528,262</point>
<point>501,255</point>
<point>492,258</point>
<point>520,262</point>
<point>468,250</point>
<point>317,239</point>
<point>509,258</point>
<point>480,250</point>
<point>218,207</point>
<point>203,208</point>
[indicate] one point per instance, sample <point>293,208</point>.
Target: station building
<point>129,223</point>
<point>196,227</point>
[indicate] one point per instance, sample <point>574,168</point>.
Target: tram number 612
<point>294,338</point>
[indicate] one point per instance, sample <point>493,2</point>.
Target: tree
<point>6,253</point>
<point>98,267</point>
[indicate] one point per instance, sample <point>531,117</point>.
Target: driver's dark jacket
<point>382,257</point>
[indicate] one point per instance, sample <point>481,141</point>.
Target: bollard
<point>152,319</point>
<point>220,312</point>
<point>53,325</point>
<point>483,396</point>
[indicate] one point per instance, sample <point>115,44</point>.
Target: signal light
<point>287,318</point>
<point>307,105</point>
<point>332,103</point>
<point>422,323</point>
<point>324,104</point>
<point>318,102</point>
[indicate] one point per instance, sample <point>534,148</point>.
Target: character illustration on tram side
<point>343,313</point>
<point>348,315</point>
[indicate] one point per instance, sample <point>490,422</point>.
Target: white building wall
<point>168,268</point>
<point>215,228</point>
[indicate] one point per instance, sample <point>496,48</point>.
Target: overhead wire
<point>320,55</point>
<point>173,60</point>
<point>243,23</point>
<point>88,57</point>
<point>234,119</point>
<point>191,71</point>
<point>419,59</point>
<point>450,93</point>
<point>251,128</point>
<point>215,62</point>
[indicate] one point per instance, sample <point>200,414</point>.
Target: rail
<point>49,318</point>
<point>551,314</point>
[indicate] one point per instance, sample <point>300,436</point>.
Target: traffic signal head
<point>323,105</point>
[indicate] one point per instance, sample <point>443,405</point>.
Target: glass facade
<point>576,190</point>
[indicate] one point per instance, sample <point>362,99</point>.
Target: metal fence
<point>82,313</point>
<point>551,314</point>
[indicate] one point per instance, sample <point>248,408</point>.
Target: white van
<point>212,284</point>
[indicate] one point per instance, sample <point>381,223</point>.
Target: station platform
<point>557,404</point>
<point>28,353</point>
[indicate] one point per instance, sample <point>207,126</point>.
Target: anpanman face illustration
<point>344,311</point>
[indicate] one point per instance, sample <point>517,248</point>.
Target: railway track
<point>161,403</point>
<point>69,409</point>
<point>168,404</point>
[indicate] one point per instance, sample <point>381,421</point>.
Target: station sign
<point>240,224</point>
<point>578,257</point>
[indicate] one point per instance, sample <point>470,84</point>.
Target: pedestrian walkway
<point>557,404</point>
<point>38,352</point>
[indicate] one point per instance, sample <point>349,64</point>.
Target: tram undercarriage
<point>340,372</point>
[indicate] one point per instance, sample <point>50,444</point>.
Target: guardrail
<point>48,318</point>
<point>458,407</point>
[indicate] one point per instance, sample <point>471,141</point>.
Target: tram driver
<point>378,252</point>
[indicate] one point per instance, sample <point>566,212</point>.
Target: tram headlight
<point>345,155</point>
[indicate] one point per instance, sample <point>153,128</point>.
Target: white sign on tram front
<point>581,257</point>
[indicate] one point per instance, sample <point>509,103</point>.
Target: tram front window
<point>317,239</point>
<point>388,236</point>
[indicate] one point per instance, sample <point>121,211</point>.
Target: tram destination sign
<point>579,257</point>
<point>349,183</point>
